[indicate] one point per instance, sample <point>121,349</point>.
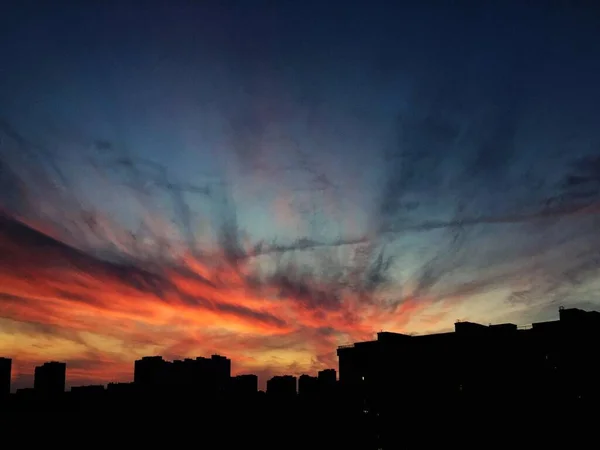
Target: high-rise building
<point>221,368</point>
<point>473,367</point>
<point>5,374</point>
<point>50,378</point>
<point>206,375</point>
<point>327,378</point>
<point>308,386</point>
<point>282,386</point>
<point>150,372</point>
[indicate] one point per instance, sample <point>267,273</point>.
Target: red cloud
<point>115,313</point>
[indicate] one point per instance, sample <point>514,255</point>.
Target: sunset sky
<point>268,180</point>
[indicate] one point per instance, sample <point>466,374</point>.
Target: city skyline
<point>477,374</point>
<point>571,315</point>
<point>63,366</point>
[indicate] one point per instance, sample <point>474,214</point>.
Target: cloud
<point>287,312</point>
<point>176,310</point>
<point>462,227</point>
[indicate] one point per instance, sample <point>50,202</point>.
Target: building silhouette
<point>50,378</point>
<point>308,386</point>
<point>150,372</point>
<point>184,373</point>
<point>327,377</point>
<point>215,373</point>
<point>200,375</point>
<point>328,383</point>
<point>282,387</point>
<point>475,367</point>
<point>5,377</point>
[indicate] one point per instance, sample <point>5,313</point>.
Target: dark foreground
<point>269,424</point>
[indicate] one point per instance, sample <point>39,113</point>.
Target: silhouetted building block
<point>222,366</point>
<point>327,381</point>
<point>357,362</point>
<point>327,377</point>
<point>283,387</point>
<point>470,328</point>
<point>564,361</point>
<point>5,376</point>
<point>475,366</point>
<point>184,374</point>
<point>222,371</point>
<point>578,317</point>
<point>245,385</point>
<point>212,375</point>
<point>50,378</point>
<point>123,393</point>
<point>206,376</point>
<point>151,372</point>
<point>308,387</point>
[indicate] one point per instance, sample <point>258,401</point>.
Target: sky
<point>270,180</point>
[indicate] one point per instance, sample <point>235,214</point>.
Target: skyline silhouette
<point>550,341</point>
<point>387,389</point>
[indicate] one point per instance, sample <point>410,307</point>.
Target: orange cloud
<point>59,303</point>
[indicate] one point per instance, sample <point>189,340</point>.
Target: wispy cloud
<point>450,232</point>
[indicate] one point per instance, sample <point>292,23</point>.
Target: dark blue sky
<point>441,133</point>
